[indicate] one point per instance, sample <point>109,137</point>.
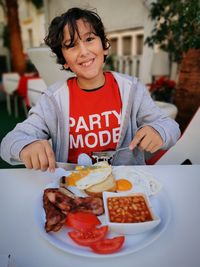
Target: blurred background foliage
<point>38,3</point>
<point>177,26</point>
<point>177,31</point>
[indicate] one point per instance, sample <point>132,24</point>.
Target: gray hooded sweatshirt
<point>49,119</point>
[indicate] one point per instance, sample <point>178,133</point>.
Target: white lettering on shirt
<point>88,140</point>
<point>71,122</point>
<point>115,133</point>
<point>118,115</point>
<point>91,139</point>
<point>77,143</point>
<point>94,119</point>
<point>104,138</point>
<point>106,114</point>
<point>94,123</point>
<point>81,124</point>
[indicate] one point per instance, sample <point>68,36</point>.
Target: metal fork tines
<point>106,155</point>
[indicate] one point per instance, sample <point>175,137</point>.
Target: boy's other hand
<point>148,139</point>
<point>38,156</point>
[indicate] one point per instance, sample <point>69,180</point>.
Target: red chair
<point>155,157</point>
<point>22,90</point>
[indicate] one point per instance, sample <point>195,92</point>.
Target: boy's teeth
<point>87,63</point>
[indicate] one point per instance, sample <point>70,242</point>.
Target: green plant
<point>109,64</point>
<point>6,37</point>
<point>38,3</point>
<point>177,26</point>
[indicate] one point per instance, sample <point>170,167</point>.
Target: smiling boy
<point>93,111</point>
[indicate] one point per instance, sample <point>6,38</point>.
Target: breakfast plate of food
<point>102,211</point>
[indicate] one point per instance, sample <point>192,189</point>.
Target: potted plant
<point>163,89</point>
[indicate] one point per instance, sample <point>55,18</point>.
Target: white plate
<point>133,243</point>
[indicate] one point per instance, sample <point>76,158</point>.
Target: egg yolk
<point>75,176</point>
<point>123,185</point>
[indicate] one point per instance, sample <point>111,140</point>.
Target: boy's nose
<point>83,50</point>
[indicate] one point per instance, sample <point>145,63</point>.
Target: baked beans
<point>128,209</point>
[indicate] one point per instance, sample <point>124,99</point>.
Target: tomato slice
<point>82,221</point>
<point>107,246</point>
<point>88,238</point>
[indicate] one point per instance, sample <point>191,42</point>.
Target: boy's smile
<point>84,55</point>
<point>87,63</point>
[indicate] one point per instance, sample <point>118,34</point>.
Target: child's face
<point>86,56</point>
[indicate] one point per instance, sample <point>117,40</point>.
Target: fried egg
<point>76,176</point>
<point>141,181</point>
<point>93,177</point>
<point>123,185</point>
<point>84,177</point>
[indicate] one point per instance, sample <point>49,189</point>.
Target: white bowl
<point>129,228</point>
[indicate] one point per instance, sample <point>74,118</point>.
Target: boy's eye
<point>89,39</point>
<point>75,43</point>
<point>67,46</point>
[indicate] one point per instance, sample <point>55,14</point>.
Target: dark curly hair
<point>55,35</point>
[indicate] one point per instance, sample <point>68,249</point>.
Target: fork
<point>107,155</point>
<point>85,160</point>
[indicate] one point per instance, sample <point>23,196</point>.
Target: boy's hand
<point>147,138</point>
<point>39,156</point>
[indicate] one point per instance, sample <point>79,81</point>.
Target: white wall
<point>116,14</point>
<point>147,57</point>
<point>31,19</point>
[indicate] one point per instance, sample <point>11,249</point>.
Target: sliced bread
<point>109,184</point>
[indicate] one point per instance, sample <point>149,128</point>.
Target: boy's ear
<point>106,52</point>
<point>65,66</point>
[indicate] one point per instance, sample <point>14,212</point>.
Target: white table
<point>177,246</point>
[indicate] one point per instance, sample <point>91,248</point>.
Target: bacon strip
<point>57,205</point>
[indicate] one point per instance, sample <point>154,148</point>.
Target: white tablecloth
<point>177,246</point>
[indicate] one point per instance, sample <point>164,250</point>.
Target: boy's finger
<point>136,140</point>
<point>51,158</point>
<point>27,162</point>
<point>35,162</point>
<point>44,162</point>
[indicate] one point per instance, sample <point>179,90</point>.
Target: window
<point>127,43</point>
<point>113,43</point>
<point>30,37</point>
<point>139,44</point>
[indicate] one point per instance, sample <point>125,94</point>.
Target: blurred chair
<point>10,83</point>
<point>187,149</point>
<point>22,90</point>
<point>35,89</point>
<point>45,63</point>
<point>160,64</point>
<point>169,109</point>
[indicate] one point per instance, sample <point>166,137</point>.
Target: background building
<point>32,21</point>
<point>127,25</point>
<point>32,24</point>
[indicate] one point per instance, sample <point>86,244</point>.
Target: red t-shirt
<point>95,117</point>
